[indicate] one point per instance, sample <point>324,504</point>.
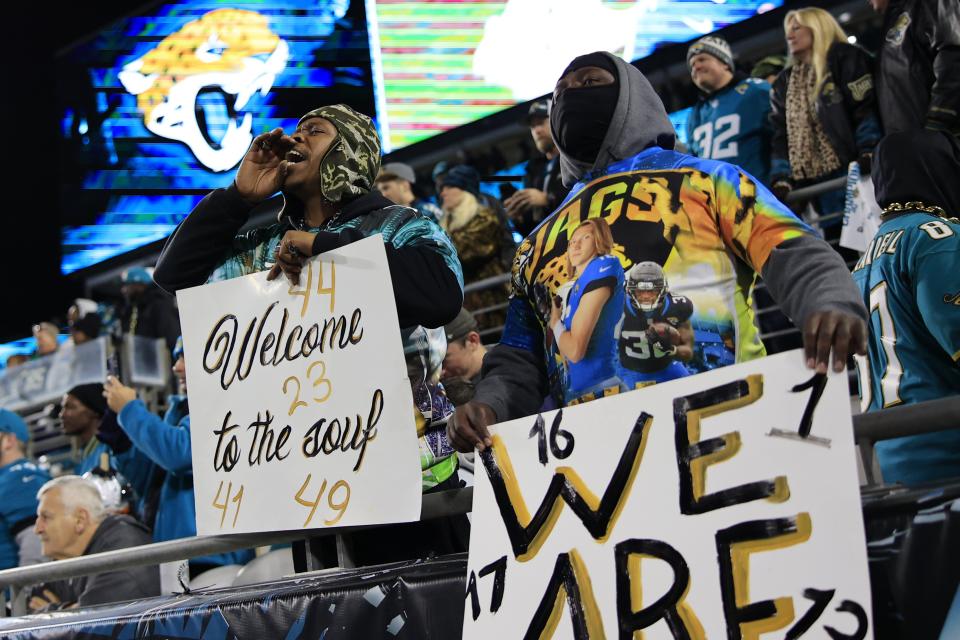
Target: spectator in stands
<point>465,351</point>
<point>396,183</point>
<point>477,234</point>
<point>823,111</point>
<point>85,328</point>
<point>326,172</point>
<point>149,312</point>
<point>80,308</point>
<point>84,321</point>
<point>768,68</point>
<point>72,522</point>
<point>20,479</point>
<point>908,278</point>
<point>543,190</point>
<point>918,75</point>
<point>166,442</point>
<point>16,360</point>
<point>83,411</point>
<point>46,334</point>
<point>730,120</point>
<point>614,134</point>
<point>423,352</point>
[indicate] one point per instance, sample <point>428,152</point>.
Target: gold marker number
<point>322,380</point>
<point>297,402</point>
<point>223,506</point>
<point>340,506</point>
<point>332,289</point>
<point>306,291</point>
<point>316,501</point>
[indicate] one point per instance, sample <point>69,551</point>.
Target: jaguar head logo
<point>227,51</point>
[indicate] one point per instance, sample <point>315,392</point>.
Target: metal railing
<point>896,422</point>
<point>434,505</point>
<point>814,190</point>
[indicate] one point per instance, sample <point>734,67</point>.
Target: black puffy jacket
<point>918,78</point>
<point>846,107</point>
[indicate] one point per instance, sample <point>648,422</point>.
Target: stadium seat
<point>270,566</point>
<point>216,577</point>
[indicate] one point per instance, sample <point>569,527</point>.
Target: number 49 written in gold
<point>336,505</point>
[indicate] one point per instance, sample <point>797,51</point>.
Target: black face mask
<point>583,116</point>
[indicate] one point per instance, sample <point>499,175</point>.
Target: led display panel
<point>159,108</point>
<point>441,63</point>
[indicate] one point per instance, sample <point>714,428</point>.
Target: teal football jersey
<point>732,125</point>
<point>909,278</point>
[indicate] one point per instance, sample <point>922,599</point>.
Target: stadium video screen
<point>159,108</point>
<point>443,63</point>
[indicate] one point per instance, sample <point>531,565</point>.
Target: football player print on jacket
<point>586,310</point>
<point>658,218</point>
<point>654,336</point>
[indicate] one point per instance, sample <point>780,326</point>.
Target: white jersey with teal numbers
<point>909,278</point>
<point>732,126</point>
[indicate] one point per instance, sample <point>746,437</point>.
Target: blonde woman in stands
<point>823,111</point>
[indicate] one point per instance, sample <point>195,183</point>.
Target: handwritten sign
<point>723,505</point>
<point>300,408</point>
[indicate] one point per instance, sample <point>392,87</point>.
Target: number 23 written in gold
<point>320,381</point>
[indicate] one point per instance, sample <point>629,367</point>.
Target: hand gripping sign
<point>722,505</point>
<point>299,401</point>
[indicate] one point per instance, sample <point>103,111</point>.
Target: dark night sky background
<point>33,288</point>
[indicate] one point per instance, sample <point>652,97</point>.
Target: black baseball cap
<point>538,110</point>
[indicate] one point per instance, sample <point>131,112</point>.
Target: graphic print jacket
<point>710,226</point>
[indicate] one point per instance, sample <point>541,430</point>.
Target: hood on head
<point>639,121</point>
<point>920,165</point>
<point>350,166</point>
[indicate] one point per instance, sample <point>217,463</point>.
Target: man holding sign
<point>709,226</point>
<point>326,172</point>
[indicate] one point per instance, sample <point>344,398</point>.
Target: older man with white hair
<point>72,522</point>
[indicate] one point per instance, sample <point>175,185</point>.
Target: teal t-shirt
<point>19,483</point>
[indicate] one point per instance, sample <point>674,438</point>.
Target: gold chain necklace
<point>900,207</point>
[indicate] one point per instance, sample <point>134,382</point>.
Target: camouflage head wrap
<point>353,161</point>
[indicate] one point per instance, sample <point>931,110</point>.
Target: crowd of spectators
<point>794,121</point>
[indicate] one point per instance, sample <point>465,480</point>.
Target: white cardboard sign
<point>673,512</point>
<point>300,408</point>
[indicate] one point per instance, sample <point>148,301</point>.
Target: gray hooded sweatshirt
<point>804,274</point>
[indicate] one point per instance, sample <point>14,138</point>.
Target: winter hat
<point>460,326</point>
<point>91,396</point>
<point>713,45</point>
<point>919,165</point>
<point>464,177</point>
<point>353,160</point>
